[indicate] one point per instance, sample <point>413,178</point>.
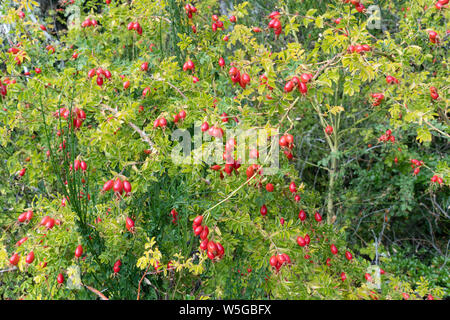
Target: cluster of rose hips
<point>215,250</point>
<point>437,179</point>
<point>231,164</point>
<point>391,80</point>
<point>100,74</point>
<point>49,222</point>
<point>213,131</point>
<point>77,165</point>
<point>433,36</point>
<point>89,23</point>
<point>134,25</point>
<point>302,215</point>
<point>263,81</point>
<point>359,48</point>
<point>252,169</point>
<point>50,48</point>
<point>3,89</point>
<point>433,93</point>
<point>25,216</point>
<point>216,23</point>
<point>274,23</point>
<point>228,168</point>
<point>179,116</point>
<point>46,221</point>
<point>303,241</point>
<point>297,198</point>
<point>378,98</point>
<point>358,5</point>
<point>387,137</point>
<point>15,258</point>
<point>416,164</point>
<point>440,4</point>
<point>279,260</point>
<point>190,9</point>
<point>299,82</point>
<point>8,81</point>
<point>286,142</point>
<point>174,214</point>
<point>118,186</point>
<point>188,65</point>
<point>78,116</point>
<point>17,53</point>
<point>236,77</point>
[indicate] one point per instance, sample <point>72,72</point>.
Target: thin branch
<point>98,293</point>
<point>143,135</point>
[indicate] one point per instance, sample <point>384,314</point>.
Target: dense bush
<point>89,122</point>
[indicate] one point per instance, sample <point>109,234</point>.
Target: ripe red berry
<point>60,278</point>
<point>129,224</point>
<point>301,241</point>
<point>302,215</point>
<point>127,186</point>
<point>204,233</point>
<point>348,255</point>
<point>30,258</point>
<point>273,261</point>
<point>303,88</point>
<point>220,250</point>
<point>14,260</point>
<point>198,220</point>
<point>204,244</point>
<point>78,251</point>
<point>263,210</point>
<point>108,185</point>
<point>198,230</point>
<point>292,187</point>
<point>22,172</point>
<point>269,187</point>
<point>289,86</point>
<point>144,66</point>
<point>333,249</point>
<point>22,217</point>
<point>317,216</point>
<point>212,247</point>
<point>307,239</point>
<point>162,122</point>
<point>205,126</point>
<point>118,186</point>
<point>182,114</point>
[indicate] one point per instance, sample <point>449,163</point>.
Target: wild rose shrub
<point>87,122</point>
